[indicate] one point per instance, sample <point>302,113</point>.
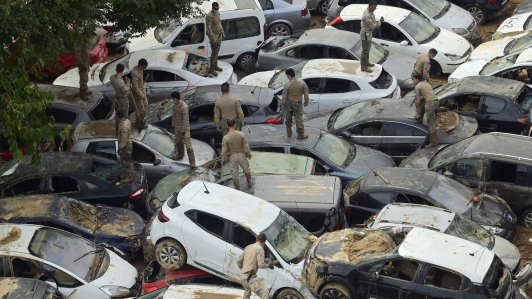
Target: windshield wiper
<point>98,250</point>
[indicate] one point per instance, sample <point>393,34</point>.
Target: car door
<point>201,120</point>
<point>441,283</point>
<point>289,56</point>
<point>162,84</point>
<point>509,181</point>
<point>314,89</point>
<point>240,32</point>
<point>466,104</point>
<point>395,278</point>
<point>399,140</point>
<point>491,117</point>
<point>368,134</point>
<point>67,283</point>
<point>339,53</point>
<point>367,205</point>
<point>390,36</point>
<point>468,171</point>
<point>106,150</point>
<point>65,185</point>
<point>338,93</point>
<point>192,39</point>
<point>268,9</point>
<point>25,186</point>
<point>152,162</point>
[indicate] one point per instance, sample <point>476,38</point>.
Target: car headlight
<point>494,229</point>
<point>155,203</point>
<point>115,291</point>
<point>452,56</point>
<point>451,80</point>
<point>460,31</point>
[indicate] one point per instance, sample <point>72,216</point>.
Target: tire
<point>335,290</point>
<point>279,30</point>
<point>323,6</point>
<point>526,218</point>
<point>435,69</point>
<point>170,254</point>
<point>289,294</point>
<point>478,13</point>
<point>244,59</point>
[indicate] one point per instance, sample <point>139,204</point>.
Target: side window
<point>313,221</point>
<point>339,53</point>
<point>313,85</point>
<point>443,279</point>
<point>347,26</point>
<point>142,155</point>
<point>3,267</point>
<point>210,223</point>
<point>345,3</point>
<point>269,149</point>
<point>293,52</point>
<point>193,34</point>
<point>389,32</point>
<point>509,173</point>
<point>302,152</point>
<point>26,187</point>
<point>266,4</point>
<point>340,86</point>
<point>248,110</point>
<point>400,269</point>
<point>229,29</point>
<point>106,149</point>
<point>311,52</point>
<point>61,116</point>
<point>380,199</point>
<point>408,198</point>
<point>62,184</point>
<point>357,26</point>
<point>471,169</point>
<point>23,268</point>
<point>318,169</point>
<point>242,237</point>
<point>162,76</point>
<point>493,105</point>
<point>399,129</point>
<point>62,279</point>
<point>247,27</point>
<point>367,129</point>
<point>202,114</point>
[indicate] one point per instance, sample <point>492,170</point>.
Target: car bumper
<point>102,56</point>
<point>302,25</point>
<point>313,4</point>
<point>148,247</point>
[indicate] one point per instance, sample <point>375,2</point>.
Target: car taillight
<point>304,12</point>
<point>522,120</point>
<point>330,3</point>
<point>492,1</point>
<point>137,193</point>
<point>147,290</point>
<point>275,121</point>
<point>336,227</point>
<point>265,31</point>
<point>346,210</point>
<point>338,20</point>
<point>391,95</point>
<point>108,28</point>
<point>70,147</point>
<point>162,217</point>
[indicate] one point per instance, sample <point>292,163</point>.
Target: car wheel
<point>244,60</point>
<point>335,290</point>
<point>323,6</point>
<point>435,69</point>
<point>170,254</point>
<point>526,218</point>
<point>478,13</point>
<point>289,294</point>
<point>280,30</point>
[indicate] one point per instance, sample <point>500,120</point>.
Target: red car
<point>5,153</point>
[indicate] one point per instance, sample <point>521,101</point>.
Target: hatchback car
<point>524,7</point>
<point>514,26</point>
<point>168,71</point>
<point>383,186</point>
<point>27,288</point>
<point>498,105</point>
<point>153,148</point>
<point>286,17</point>
<point>332,83</point>
<point>502,47</point>
<point>73,263</point>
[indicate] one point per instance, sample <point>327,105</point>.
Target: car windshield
<point>166,30</point>
<point>418,28</point>
<point>159,141</point>
<point>334,148</point>
<point>348,115</point>
<point>279,79</point>
<point>157,294</point>
<point>109,69</point>
<point>197,65</point>
<point>466,229</point>
<point>497,279</point>
<point>288,238</point>
<point>433,8</point>
<point>64,249</point>
<point>498,64</point>
<point>447,87</point>
<point>524,100</point>
<point>376,52</point>
<point>520,44</point>
<point>450,153</point>
<point>452,194</point>
<point>168,108</point>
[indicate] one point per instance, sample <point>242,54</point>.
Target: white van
<point>243,22</point>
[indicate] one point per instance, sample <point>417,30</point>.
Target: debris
<point>447,121</point>
<point>469,107</point>
<point>360,245</point>
<point>13,235</point>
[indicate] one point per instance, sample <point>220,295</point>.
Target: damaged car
<point>502,47</point>
<point>76,265</point>
<point>514,26</point>
<point>198,291</point>
<point>424,264</point>
<point>372,192</point>
<point>26,288</point>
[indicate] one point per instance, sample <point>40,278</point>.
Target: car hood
<point>144,42</point>
<point>203,152</point>
<point>71,78</point>
<point>491,210</point>
<point>455,17</point>
<point>471,68</point>
<point>420,159</point>
<point>119,273</point>
<point>450,43</point>
<point>490,50</point>
<point>367,159</point>
<point>120,222</point>
<point>511,26</point>
<point>317,119</point>
<point>261,79</point>
<point>507,251</point>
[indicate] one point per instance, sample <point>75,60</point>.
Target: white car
<point>208,226</point>
<point>401,218</point>
<point>69,261</point>
<point>332,83</point>
<point>504,67</point>
<point>196,291</point>
<point>406,33</point>
<point>515,26</point>
<point>502,47</point>
<point>115,41</point>
<point>168,71</point>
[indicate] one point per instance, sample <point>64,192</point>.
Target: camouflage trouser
<point>180,143</point>
<point>141,101</point>
<point>216,43</point>
<point>430,108</point>
<point>126,159</point>
<point>253,285</point>
<point>83,79</point>
<point>420,111</point>
<point>364,56</point>
<point>121,103</point>
<point>414,73</point>
<point>295,109</point>
<point>238,159</point>
<point>225,129</point>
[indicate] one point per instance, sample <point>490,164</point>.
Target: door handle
<point>201,47</point>
<point>346,101</point>
<point>384,44</point>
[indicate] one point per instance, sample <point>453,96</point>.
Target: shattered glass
<point>108,173</point>
<point>280,79</point>
<point>334,148</point>
<point>498,64</point>
<point>468,230</point>
<point>288,238</point>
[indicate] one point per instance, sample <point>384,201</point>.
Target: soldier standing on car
<point>182,130</point>
<point>84,63</point>
<point>125,147</point>
<point>122,88</point>
<point>426,102</point>
<point>139,93</point>
<point>249,262</point>
<point>293,93</point>
<point>235,148</point>
<point>216,34</point>
<point>422,66</point>
<point>227,107</point>
<point>366,34</point>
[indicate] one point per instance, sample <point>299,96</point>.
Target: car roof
<point>388,109</point>
<point>500,144</point>
<point>465,257</point>
<point>228,5</point>
<point>277,163</point>
<point>338,68</point>
<point>340,38</point>
<point>16,237</point>
<point>405,178</point>
<point>31,206</point>
<point>489,84</point>
<point>245,93</point>
<point>390,13</point>
<point>276,135</point>
<point>159,58</point>
<point>70,96</point>
<point>416,215</point>
<point>22,288</point>
<point>103,129</point>
<point>191,291</point>
<point>228,203</point>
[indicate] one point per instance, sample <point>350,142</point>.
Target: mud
<point>13,235</point>
<point>447,121</point>
<point>82,215</point>
<point>170,57</point>
<point>103,128</point>
<point>359,245</point>
<point>71,97</point>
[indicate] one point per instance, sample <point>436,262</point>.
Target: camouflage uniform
<point>427,101</point>
<point>125,150</point>
<point>249,262</point>
<point>121,101</point>
<point>216,34</point>
<point>181,125</point>
<point>139,94</point>
<point>368,24</point>
<point>422,67</point>
<point>235,147</point>
<point>228,107</point>
<point>83,61</point>
<point>293,92</point>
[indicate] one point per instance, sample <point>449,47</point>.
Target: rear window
<point>102,109</point>
<point>384,81</point>
<point>344,3</point>
<point>275,105</point>
<point>108,173</point>
<point>497,279</point>
<point>313,221</point>
<point>197,65</point>
<point>524,100</point>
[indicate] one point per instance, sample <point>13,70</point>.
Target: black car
<point>483,10</point>
<point>260,105</point>
<point>369,194</point>
<point>76,175</point>
<point>341,159</point>
<point>498,104</point>
<point>524,7</point>
<point>118,227</point>
<point>27,288</point>
<point>388,125</point>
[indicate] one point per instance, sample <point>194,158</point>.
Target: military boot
<point>370,64</point>
<point>237,184</point>
<point>191,157</point>
<point>289,131</point>
<point>212,68</point>
<point>366,69</point>
<point>250,181</point>
<point>216,67</point>
<point>433,140</point>
<point>129,177</point>
<point>301,134</point>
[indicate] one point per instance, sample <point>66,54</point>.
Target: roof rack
<point>502,156</point>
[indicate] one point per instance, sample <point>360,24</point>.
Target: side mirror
<point>327,169</point>
<point>403,43</point>
<point>157,162</point>
<point>177,42</point>
<point>345,134</point>
<point>448,174</point>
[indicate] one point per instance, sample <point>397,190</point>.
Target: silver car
<point>285,17</point>
<point>153,148</point>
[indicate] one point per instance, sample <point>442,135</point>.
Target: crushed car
<point>26,288</point>
<point>199,291</point>
<point>514,26</point>
<point>502,47</point>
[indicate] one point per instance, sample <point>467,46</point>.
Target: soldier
<point>139,93</point>
<point>182,130</point>
<point>235,148</point>
<point>83,60</point>
<point>227,107</point>
<point>422,66</point>
<point>125,147</point>
<point>121,91</point>
<point>426,101</point>
<point>293,92</point>
<point>366,34</point>
<point>216,34</point>
<point>249,262</point>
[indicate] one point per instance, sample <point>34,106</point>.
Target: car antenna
<point>206,190</point>
<point>253,91</point>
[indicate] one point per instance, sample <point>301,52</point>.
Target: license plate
<point>101,52</point>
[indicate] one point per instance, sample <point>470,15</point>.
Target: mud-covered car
<point>27,288</point>
<point>514,26</point>
<point>195,291</point>
<point>372,192</point>
<point>121,228</point>
<point>76,175</point>
<point>425,264</point>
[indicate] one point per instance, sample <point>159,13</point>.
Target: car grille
<point>471,26</point>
